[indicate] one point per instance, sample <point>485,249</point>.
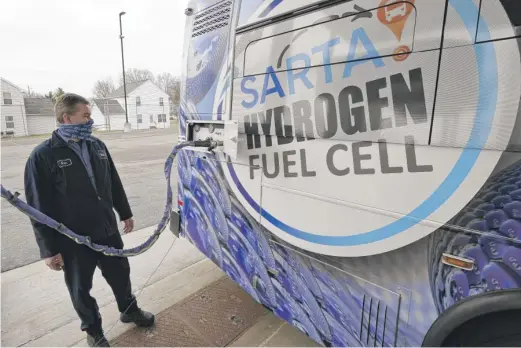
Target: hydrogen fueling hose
<point>40,217</point>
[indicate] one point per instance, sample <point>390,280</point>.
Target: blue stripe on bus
<point>270,8</point>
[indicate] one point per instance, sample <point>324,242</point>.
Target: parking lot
<point>139,158</point>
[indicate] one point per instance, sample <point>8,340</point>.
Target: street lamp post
<point>127,126</point>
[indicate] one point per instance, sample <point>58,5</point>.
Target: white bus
<point>370,192</point>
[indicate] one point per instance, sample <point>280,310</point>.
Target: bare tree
<point>136,75</point>
<point>103,88</point>
<point>171,85</point>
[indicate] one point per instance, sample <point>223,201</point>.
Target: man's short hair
<point>66,104</point>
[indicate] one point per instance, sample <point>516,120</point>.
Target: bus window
<point>254,11</point>
<point>502,20</point>
<point>347,33</point>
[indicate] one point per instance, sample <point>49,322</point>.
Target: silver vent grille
<point>213,18</point>
<point>378,323</point>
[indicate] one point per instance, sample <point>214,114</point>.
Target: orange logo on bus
<point>394,14</point>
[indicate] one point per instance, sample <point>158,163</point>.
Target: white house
<point>107,114</point>
<point>148,105</point>
<point>40,115</point>
<point>12,110</point>
<point>22,115</point>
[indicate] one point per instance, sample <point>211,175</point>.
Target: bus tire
<point>489,319</point>
<point>499,329</point>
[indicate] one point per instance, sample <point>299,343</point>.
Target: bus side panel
<point>391,298</point>
<point>338,305</point>
<point>349,124</point>
<point>372,197</point>
<point>387,298</point>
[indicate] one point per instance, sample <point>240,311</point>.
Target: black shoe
<point>139,317</point>
<point>97,340</point>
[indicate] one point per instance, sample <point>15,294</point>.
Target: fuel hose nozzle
<point>208,143</point>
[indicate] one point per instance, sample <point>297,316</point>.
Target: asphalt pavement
<point>139,157</point>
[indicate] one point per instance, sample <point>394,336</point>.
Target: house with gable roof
<point>148,106</point>
<point>12,110</point>
<point>108,114</point>
<point>21,115</point>
<point>41,118</point>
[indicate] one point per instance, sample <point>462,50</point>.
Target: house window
<point>9,122</point>
<point>161,118</point>
<point>161,102</point>
<point>151,118</point>
<point>138,101</point>
<point>139,118</point>
<point>7,98</point>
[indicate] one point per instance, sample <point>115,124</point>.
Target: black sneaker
<point>139,317</point>
<point>97,340</point>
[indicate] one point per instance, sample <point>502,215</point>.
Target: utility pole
<point>127,126</point>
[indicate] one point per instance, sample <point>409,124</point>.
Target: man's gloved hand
<point>55,262</point>
<point>129,225</point>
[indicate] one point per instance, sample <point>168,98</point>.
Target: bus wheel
<point>489,319</point>
<point>500,329</point>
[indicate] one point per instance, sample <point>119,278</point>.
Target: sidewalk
<point>37,311</point>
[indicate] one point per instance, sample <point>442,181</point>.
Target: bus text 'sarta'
<point>326,115</point>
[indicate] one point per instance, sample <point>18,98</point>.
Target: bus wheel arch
<point>493,319</point>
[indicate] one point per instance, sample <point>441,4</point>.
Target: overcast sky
<point>73,43</point>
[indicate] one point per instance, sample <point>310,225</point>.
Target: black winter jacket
<point>57,184</point>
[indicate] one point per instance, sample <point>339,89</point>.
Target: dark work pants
<point>79,265</point>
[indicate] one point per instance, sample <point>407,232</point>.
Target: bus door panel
<point>501,20</point>
<point>479,87</point>
<point>357,77</point>
<point>461,24</point>
<point>337,132</point>
<point>344,121</point>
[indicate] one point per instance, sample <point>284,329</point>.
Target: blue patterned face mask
<point>81,131</point>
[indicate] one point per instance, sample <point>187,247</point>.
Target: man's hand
<point>129,225</point>
<point>55,262</point>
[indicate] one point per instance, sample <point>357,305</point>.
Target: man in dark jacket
<point>71,178</point>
